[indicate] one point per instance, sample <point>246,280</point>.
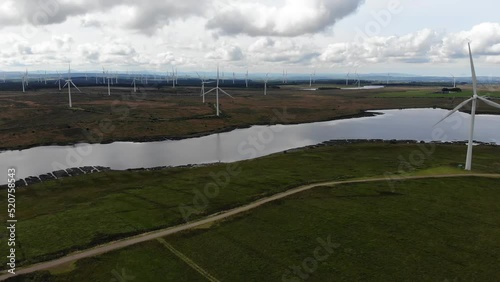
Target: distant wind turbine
<point>474,99</point>
<point>134,84</point>
<point>25,81</point>
<point>69,82</point>
<point>265,84</point>
<point>217,89</point>
<point>59,81</point>
<point>246,79</point>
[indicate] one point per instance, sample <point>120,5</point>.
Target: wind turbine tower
<point>474,100</point>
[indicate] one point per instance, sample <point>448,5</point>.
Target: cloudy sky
<point>426,37</point>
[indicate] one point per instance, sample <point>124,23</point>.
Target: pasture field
<point>62,216</point>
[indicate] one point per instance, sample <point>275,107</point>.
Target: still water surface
<point>257,141</point>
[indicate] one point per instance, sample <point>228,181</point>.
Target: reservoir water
<point>253,142</point>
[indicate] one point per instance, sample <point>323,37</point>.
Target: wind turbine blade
<point>211,90</point>
<point>455,110</point>
<point>491,103</point>
<point>226,93</point>
<point>65,85</point>
<point>75,86</point>
<point>473,70</point>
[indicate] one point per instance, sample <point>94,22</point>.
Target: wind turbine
<point>135,86</point>
<point>265,84</point>
<point>246,79</point>
<point>59,81</point>
<point>174,79</point>
<point>454,81</point>
<point>69,82</point>
<point>217,89</point>
<point>347,79</point>
<point>25,81</point>
<point>106,75</point>
<point>234,78</point>
<point>358,82</point>
<point>474,99</point>
<point>203,82</point>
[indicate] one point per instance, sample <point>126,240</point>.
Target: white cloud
<point>424,46</point>
<point>294,18</point>
<point>286,51</point>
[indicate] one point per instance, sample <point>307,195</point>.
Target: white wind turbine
<point>358,82</point>
<point>203,82</point>
<point>69,82</point>
<point>24,81</point>
<point>246,79</point>
<point>234,78</point>
<point>265,84</point>
<point>217,89</point>
<point>347,79</point>
<point>106,75</point>
<point>474,99</point>
<point>135,85</point>
<point>59,81</point>
<point>174,79</point>
<point>454,81</point>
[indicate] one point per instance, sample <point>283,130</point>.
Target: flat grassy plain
<point>429,230</point>
<point>43,117</point>
<point>59,217</point>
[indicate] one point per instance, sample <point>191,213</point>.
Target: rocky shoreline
<point>58,175</point>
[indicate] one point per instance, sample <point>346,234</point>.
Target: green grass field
<point>77,213</point>
<point>429,230</point>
